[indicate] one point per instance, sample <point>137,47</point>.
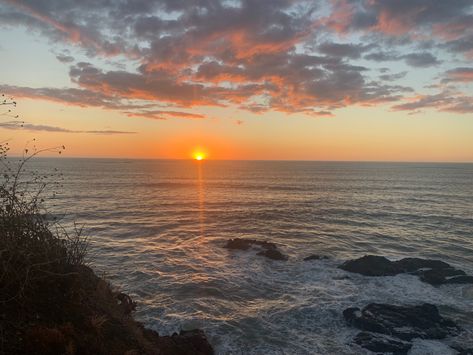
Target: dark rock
<point>191,342</point>
<point>269,249</point>
<point>316,257</point>
<point>245,244</point>
<point>273,254</point>
<point>460,280</point>
<point>461,350</point>
<point>381,343</point>
<point>371,265</point>
<point>434,272</point>
<point>126,303</point>
<point>439,276</point>
<point>404,322</point>
<point>414,264</point>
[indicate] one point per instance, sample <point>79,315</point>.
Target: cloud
<point>64,58</point>
<point>383,56</point>
<point>447,101</point>
<point>421,60</point>
<point>417,60</point>
<point>395,18</point>
<point>257,55</point>
<point>464,74</point>
<point>74,97</point>
<point>20,125</point>
<point>163,115</point>
<point>392,77</point>
<point>352,51</point>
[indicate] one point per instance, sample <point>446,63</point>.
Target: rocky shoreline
<point>387,328</point>
<point>84,314</point>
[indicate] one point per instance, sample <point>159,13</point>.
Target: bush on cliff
<point>50,301</point>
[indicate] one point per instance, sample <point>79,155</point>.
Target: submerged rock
<point>273,254</point>
<point>404,322</point>
<point>245,244</point>
<point>269,249</point>
<point>316,257</point>
<point>381,343</point>
<point>434,272</point>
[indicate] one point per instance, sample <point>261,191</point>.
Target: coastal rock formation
<point>316,257</point>
<point>267,249</point>
<point>404,322</point>
<point>434,272</point>
<point>273,254</point>
<point>85,315</point>
<point>185,343</point>
<point>381,343</point>
<point>461,350</point>
<point>390,328</point>
<point>245,244</point>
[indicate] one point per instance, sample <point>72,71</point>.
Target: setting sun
<point>199,156</point>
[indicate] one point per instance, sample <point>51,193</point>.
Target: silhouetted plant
<point>35,250</point>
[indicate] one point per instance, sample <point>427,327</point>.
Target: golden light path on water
<point>201,192</point>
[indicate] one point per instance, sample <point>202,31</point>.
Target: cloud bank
<point>292,56</point>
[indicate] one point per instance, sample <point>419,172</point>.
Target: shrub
<point>35,250</point>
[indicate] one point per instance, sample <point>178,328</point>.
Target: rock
<point>273,254</point>
<point>245,244</point>
<point>461,350</point>
<point>404,322</point>
<point>465,279</point>
<point>381,343</point>
<point>316,257</point>
<point>191,342</point>
<point>269,249</point>
<point>371,265</point>
<point>414,264</point>
<point>440,276</point>
<point>434,272</point>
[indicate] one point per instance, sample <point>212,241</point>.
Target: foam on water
<point>158,228</point>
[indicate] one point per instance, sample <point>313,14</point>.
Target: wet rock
<point>404,322</point>
<point>414,264</point>
<point>434,272</point>
<point>268,249</point>
<point>465,279</point>
<point>461,350</point>
<point>371,265</point>
<point>381,343</point>
<point>440,276</point>
<point>245,244</point>
<point>191,342</point>
<point>316,257</point>
<point>273,254</point>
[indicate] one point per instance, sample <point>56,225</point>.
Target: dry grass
<point>33,249</point>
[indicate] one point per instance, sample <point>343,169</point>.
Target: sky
<point>362,80</point>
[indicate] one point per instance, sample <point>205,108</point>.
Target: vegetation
<point>51,302</point>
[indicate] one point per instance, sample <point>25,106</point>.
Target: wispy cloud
<point>20,125</point>
<point>163,115</point>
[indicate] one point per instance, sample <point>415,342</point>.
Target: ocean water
<point>157,230</point>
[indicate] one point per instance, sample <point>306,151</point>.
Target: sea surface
<point>157,230</point>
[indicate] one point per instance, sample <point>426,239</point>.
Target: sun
<point>199,156</point>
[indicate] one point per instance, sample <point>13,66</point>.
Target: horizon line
<point>255,160</point>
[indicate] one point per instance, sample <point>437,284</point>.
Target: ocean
<point>157,230</point>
